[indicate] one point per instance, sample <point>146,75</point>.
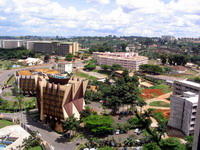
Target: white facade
<point>183,112</point>
<point>179,87</point>
<point>183,106</point>
<point>127,60</point>
<point>12,43</point>
<point>63,67</point>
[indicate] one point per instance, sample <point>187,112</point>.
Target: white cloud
<point>127,17</point>
<point>3,18</point>
<point>103,2</point>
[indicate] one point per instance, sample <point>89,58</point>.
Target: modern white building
<point>128,60</point>
<point>196,140</point>
<point>183,106</point>
<point>168,37</point>
<point>179,87</point>
<point>63,67</point>
<point>183,112</point>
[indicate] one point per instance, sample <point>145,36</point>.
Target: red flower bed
<point>166,113</point>
<point>150,93</point>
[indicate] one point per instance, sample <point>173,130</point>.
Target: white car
<point>136,130</point>
<point>117,132</point>
<point>139,148</point>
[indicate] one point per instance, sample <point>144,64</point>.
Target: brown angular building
<point>57,97</point>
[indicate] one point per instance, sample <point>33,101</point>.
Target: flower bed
<point>150,93</point>
<point>166,113</point>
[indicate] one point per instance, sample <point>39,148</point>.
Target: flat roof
<point>24,72</point>
<point>134,58</point>
<point>193,99</point>
<point>190,83</point>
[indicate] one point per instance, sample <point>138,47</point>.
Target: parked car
<point>117,132</point>
<point>139,148</point>
<point>137,131</point>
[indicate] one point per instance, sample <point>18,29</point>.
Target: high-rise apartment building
<point>183,109</point>
<point>183,106</point>
<point>196,140</point>
<point>179,87</point>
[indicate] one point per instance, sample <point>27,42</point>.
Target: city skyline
<point>179,18</point>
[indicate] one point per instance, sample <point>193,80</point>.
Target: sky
<point>152,18</point>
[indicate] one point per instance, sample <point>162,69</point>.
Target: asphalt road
<point>56,141</point>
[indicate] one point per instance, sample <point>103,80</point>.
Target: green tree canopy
<point>89,67</point>
<point>105,67</point>
<point>172,144</point>
<point>152,69</point>
<point>151,146</point>
<point>69,57</point>
<point>70,124</point>
<point>98,125</point>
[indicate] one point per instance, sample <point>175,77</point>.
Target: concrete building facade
<point>183,106</point>
<point>58,48</point>
<point>196,140</point>
<point>49,47</point>
<point>183,110</point>
<point>127,60</point>
<point>179,87</point>
<point>11,43</point>
<point>63,67</point>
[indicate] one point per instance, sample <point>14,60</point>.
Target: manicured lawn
<point>11,79</point>
<point>159,104</point>
<point>4,123</point>
<point>84,75</point>
<point>35,148</point>
<point>160,117</point>
<point>164,88</point>
<point>11,103</point>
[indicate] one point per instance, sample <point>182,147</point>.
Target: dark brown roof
<point>179,68</point>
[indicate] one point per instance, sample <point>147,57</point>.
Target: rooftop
<point>197,85</point>
<point>180,68</point>
<point>193,99</point>
<point>134,58</point>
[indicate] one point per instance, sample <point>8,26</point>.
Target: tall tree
<point>69,57</point>
<point>141,103</point>
<point>151,146</point>
<point>71,124</point>
<point>99,125</point>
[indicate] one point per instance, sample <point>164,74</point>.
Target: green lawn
<point>11,79</point>
<point>4,123</point>
<point>11,103</point>
<point>84,75</point>
<point>35,148</point>
<point>160,117</point>
<point>159,104</point>
<point>164,88</point>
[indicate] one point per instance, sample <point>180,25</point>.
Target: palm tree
<point>141,103</point>
<point>20,100</point>
<point>32,141</point>
<point>70,124</point>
